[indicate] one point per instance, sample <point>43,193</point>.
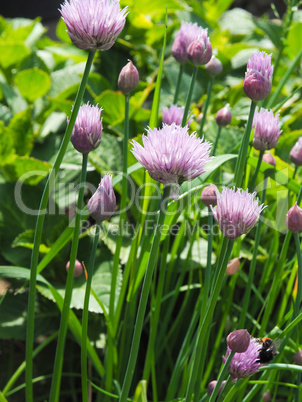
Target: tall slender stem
<point>299,288</point>
<point>253,181</point>
<point>241,160</point>
<point>39,231</point>
<point>84,375</point>
<point>189,97</point>
<point>144,297</point>
<point>226,250</point>
<point>181,70</point>
<point>122,209</point>
<point>206,105</point>
<point>222,375</point>
<point>57,371</point>
<point>247,293</point>
<point>216,140</point>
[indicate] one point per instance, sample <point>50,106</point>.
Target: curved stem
<point>216,140</point>
<point>57,371</point>
<point>144,297</point>
<point>181,70</point>
<point>241,160</point>
<point>189,97</point>
<point>253,181</point>
<point>221,377</point>
<point>39,230</point>
<point>85,316</point>
<point>247,293</point>
<point>206,105</point>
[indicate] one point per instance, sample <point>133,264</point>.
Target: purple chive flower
<point>211,386</point>
<point>103,202</point>
<point>209,195</point>
<point>171,155</point>
<point>238,341</point>
<point>224,116</point>
<point>267,129</point>
<point>258,77</point>
<point>214,66</point>
<point>200,51</point>
<point>93,24</point>
<point>87,131</point>
<point>187,33</point>
<point>244,364</point>
<point>174,114</point>
<point>128,78</point>
<point>236,212</point>
<point>296,153</point>
<point>78,269</point>
<point>268,158</point>
<point>294,219</point>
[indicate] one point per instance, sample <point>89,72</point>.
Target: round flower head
<point>224,116</point>
<point>103,202</point>
<point>294,219</point>
<point>236,212</point>
<point>174,114</point>
<point>258,77</point>
<point>267,130</point>
<point>187,33</point>
<point>296,153</point>
<point>128,78</point>
<point>209,195</point>
<point>244,364</point>
<point>87,131</point>
<point>78,269</point>
<point>171,155</point>
<point>268,158</point>
<point>93,24</point>
<point>214,66</point>
<point>200,51</point>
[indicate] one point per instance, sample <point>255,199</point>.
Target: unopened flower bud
<point>78,269</point>
<point>87,131</point>
<point>103,202</point>
<point>233,266</point>
<point>200,51</point>
<point>238,341</point>
<point>128,78</point>
<point>294,219</point>
<point>298,357</point>
<point>296,153</point>
<point>214,66</point>
<point>268,158</point>
<point>223,116</point>
<point>212,385</point>
<point>266,396</point>
<point>258,77</point>
<point>209,195</point>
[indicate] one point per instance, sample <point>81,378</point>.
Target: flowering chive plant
<point>150,281</point>
<point>171,155</point>
<point>93,24</point>
<point>267,130</point>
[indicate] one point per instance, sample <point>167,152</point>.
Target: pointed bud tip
<point>128,78</point>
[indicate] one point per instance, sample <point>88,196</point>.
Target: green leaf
<point>65,81</point>
<point>26,239</point>
<point>114,107</point>
<point>61,32</point>
<point>29,170</point>
<point>12,96</point>
<point>237,22</point>
<point>12,53</point>
<point>33,83</point>
<point>7,150</point>
<point>294,39</point>
<point>108,156</point>
<point>141,392</point>
<point>101,282</point>
<point>21,130</point>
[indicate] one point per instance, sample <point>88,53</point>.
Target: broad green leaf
<point>73,323</point>
<point>54,122</point>
<point>12,53</point>
<point>108,156</point>
<point>33,61</point>
<point>26,239</point>
<point>237,22</point>
<point>114,107</point>
<point>294,39</point>
<point>12,96</point>
<point>33,83</point>
<point>61,32</point>
<point>66,80</point>
<point>7,150</point>
<point>21,131</point>
<point>27,169</point>
<point>101,283</point>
